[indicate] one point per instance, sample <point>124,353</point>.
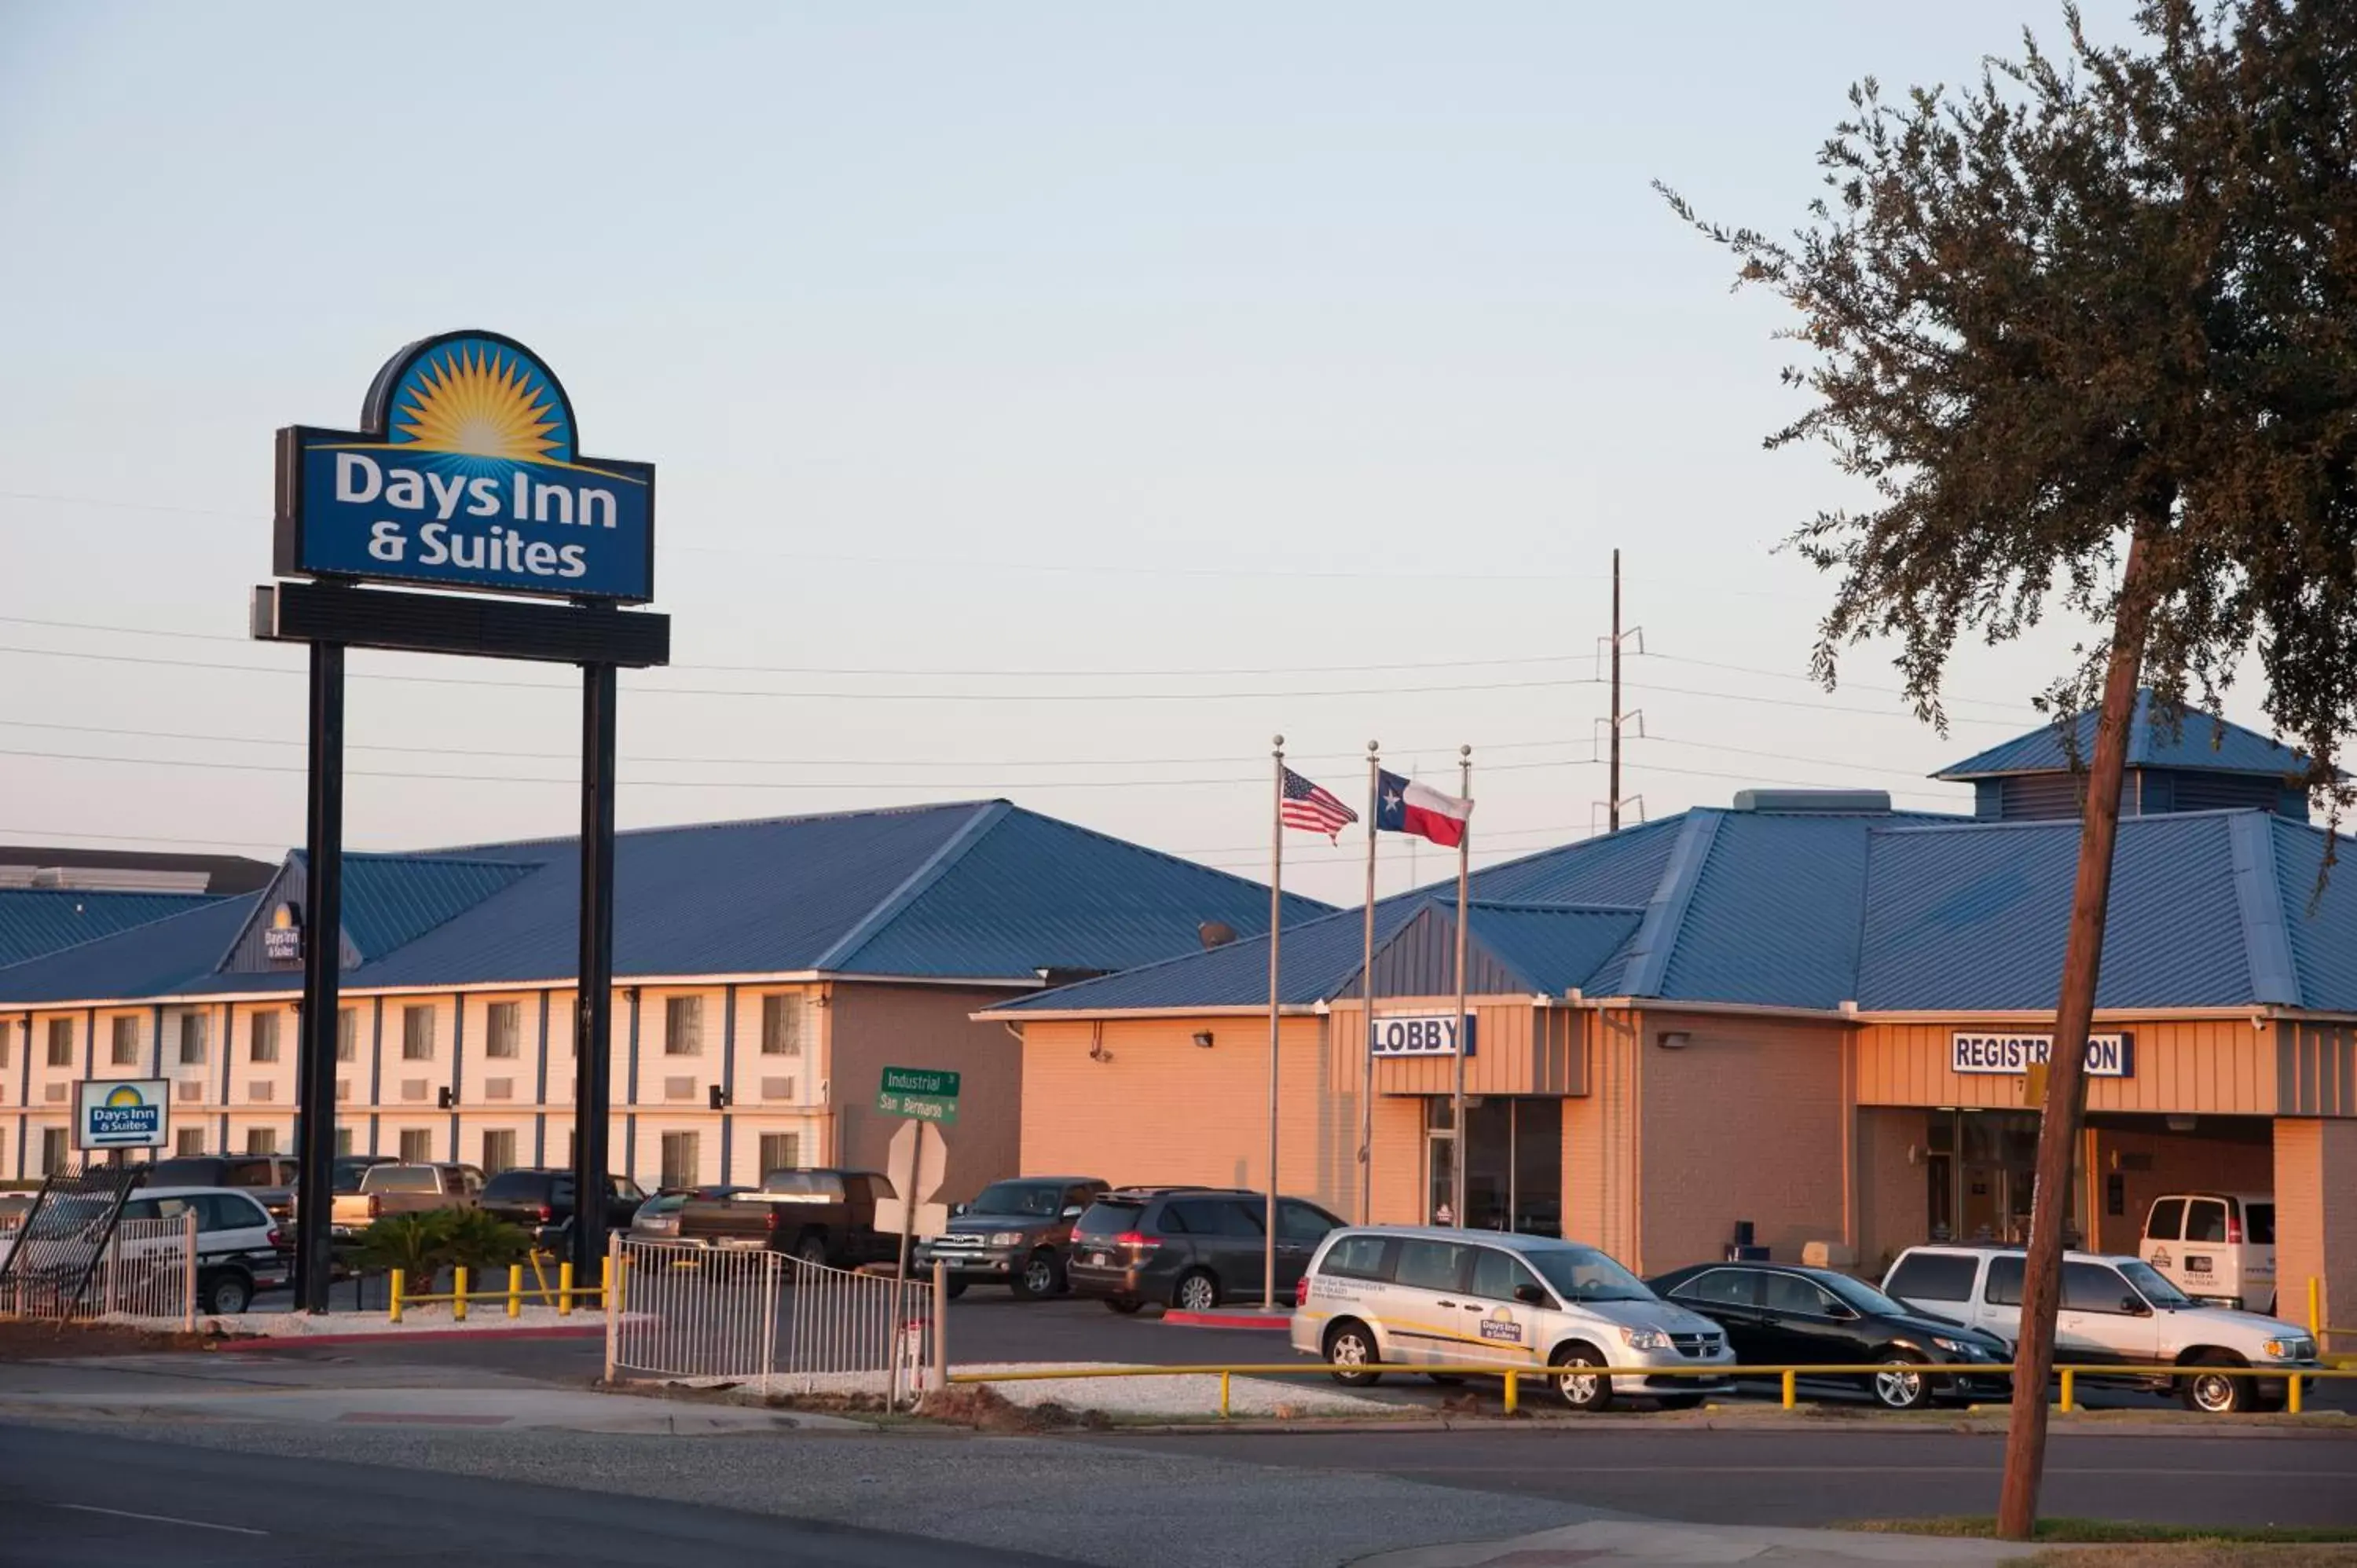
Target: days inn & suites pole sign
<point>466,479</point>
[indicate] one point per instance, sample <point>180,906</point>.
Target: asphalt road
<point>1783,1477</point>
<point>102,1501</point>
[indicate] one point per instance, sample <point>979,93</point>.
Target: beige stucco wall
<point>874,1025</point>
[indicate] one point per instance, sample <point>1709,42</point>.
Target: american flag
<point>1313,807</point>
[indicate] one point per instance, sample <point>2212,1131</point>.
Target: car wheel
<point>1350,1347</point>
<point>2213,1392</point>
<point>228,1295</point>
<point>1124,1304</point>
<point>1039,1276</point>
<point>1582,1391</point>
<point>954,1286</point>
<point>811,1250</point>
<point>1198,1292</point>
<point>1898,1386</point>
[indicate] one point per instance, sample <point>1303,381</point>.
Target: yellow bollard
<point>1513,1391</point>
<point>2316,1310</point>
<point>2292,1395</point>
<point>1792,1388</point>
<point>515,1290</point>
<point>1223,1396</point>
<point>565,1290</point>
<point>2069,1384</point>
<point>395,1315</point>
<point>458,1297</point>
<point>605,1279</point>
<point>622,1285</point>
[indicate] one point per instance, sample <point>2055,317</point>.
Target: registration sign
<point>2108,1056</point>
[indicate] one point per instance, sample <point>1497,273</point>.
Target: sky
<point>1054,402</point>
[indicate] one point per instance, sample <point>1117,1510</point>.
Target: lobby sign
<point>1422,1034</point>
<point>466,474</point>
<point>122,1114</point>
<point>2108,1056</point>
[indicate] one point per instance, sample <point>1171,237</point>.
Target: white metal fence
<point>143,1268</point>
<point>685,1313</point>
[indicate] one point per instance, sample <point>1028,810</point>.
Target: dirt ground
<point>2226,1554</point>
<point>35,1339</point>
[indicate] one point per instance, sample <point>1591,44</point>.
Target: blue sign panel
<point>466,474</point>
<point>126,1114</point>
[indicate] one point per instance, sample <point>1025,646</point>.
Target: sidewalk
<point>1599,1542</point>
<point>508,1409</point>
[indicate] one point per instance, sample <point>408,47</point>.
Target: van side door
<point>1505,1324</point>
<point>1428,1310</point>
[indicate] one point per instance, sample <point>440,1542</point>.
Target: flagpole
<point>1276,919</point>
<point>1367,997</point>
<point>1456,1105</point>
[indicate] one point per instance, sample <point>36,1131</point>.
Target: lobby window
<point>123,1042</point>
<point>780,1151</point>
<point>192,1039</point>
<point>781,1026</point>
<point>54,1153</point>
<point>417,1035</point>
<point>262,1037</point>
<point>61,1042</point>
<point>416,1146</point>
<point>684,1026</point>
<point>261,1141</point>
<point>347,1034</point>
<point>502,1029</point>
<point>680,1161</point>
<point>499,1149</point>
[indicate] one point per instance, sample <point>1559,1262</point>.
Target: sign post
<point>466,474</point>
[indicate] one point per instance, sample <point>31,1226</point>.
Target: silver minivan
<point>1378,1296</point>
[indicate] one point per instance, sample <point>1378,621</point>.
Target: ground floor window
<point>416,1146</point>
<point>680,1164</point>
<point>1512,1150</point>
<point>343,1140</point>
<point>54,1153</point>
<point>261,1141</point>
<point>498,1150</point>
<point>780,1151</point>
<point>189,1141</point>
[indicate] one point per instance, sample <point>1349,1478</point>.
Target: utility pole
<point>1612,809</point>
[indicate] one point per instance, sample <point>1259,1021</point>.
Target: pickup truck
<point>402,1190</point>
<point>820,1216</point>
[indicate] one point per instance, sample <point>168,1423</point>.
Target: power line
<point>1849,685</point>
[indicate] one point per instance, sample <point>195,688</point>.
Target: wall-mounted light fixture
<point>716,1096</point>
<point>446,1097</point>
<point>2181,1124</point>
<point>1674,1040</point>
<point>1203,1038</point>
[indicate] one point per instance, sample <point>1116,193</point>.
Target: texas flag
<point>1403,806</point>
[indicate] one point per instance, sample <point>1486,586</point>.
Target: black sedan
<point>1780,1315</point>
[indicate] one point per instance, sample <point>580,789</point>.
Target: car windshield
<point>1863,1296</point>
<point>2157,1290</point>
<point>1582,1273</point>
<point>1044,1201</point>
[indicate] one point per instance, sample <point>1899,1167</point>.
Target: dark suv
<point>1014,1233</point>
<point>1189,1248</point>
<point>541,1200</point>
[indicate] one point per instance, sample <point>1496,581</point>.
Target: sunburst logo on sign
<point>126,1095</point>
<point>475,399</point>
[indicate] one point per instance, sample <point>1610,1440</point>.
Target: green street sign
<point>920,1080</point>
<point>940,1109</point>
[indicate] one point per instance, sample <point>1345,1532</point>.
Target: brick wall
<point>2316,1219</point>
<point>1893,1202</point>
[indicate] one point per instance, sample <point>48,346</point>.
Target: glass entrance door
<point>1512,1150</point>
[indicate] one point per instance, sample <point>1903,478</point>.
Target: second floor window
<point>122,1045</point>
<point>262,1040</point>
<point>684,1026</point>
<point>61,1042</point>
<point>417,1034</point>
<point>192,1039</point>
<point>347,1034</point>
<point>781,1026</point>
<point>502,1027</point>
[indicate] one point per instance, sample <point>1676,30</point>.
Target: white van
<point>1378,1295</point>
<point>2216,1247</point>
<point>2115,1310</point>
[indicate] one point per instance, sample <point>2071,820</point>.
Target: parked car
<point>1014,1233</point>
<point>1377,1297</point>
<point>541,1199</point>
<point>2114,1310</point>
<point>270,1178</point>
<point>349,1169</point>
<point>397,1189</point>
<point>820,1216</point>
<point>2216,1247</point>
<point>241,1251</point>
<point>1783,1314</point>
<point>657,1220</point>
<point>1190,1248</point>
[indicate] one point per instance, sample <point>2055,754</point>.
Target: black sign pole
<point>592,1080</point>
<point>322,937</point>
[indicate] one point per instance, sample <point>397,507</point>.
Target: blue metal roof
<point>976,889</point>
<point>1555,948</point>
<point>37,920</point>
<point>2200,742</point>
<point>2321,926</point>
<point>1319,958</point>
<point>160,958</point>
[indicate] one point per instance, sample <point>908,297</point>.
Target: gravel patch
<point>1087,1502</point>
<point>1187,1395</point>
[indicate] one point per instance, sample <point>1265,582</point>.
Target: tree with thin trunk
<point>2086,331</point>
